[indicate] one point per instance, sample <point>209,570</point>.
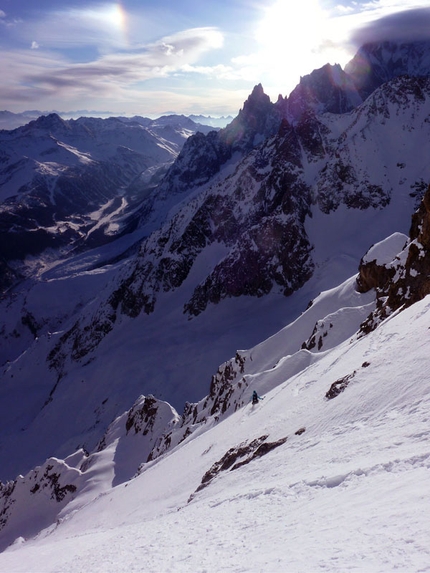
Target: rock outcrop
<point>406,279</point>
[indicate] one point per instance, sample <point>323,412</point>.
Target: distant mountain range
<point>74,184</point>
<point>138,255</point>
<point>10,120</point>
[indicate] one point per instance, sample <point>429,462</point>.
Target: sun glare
<point>115,16</point>
<point>111,18</point>
<point>295,39</point>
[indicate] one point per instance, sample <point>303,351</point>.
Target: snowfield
<point>349,493</point>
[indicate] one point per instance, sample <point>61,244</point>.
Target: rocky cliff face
<point>255,218</point>
<point>406,279</point>
<point>203,155</point>
<point>328,89</point>
<point>334,90</point>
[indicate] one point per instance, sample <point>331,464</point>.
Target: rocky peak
<point>328,89</point>
<point>202,156</point>
<point>258,120</point>
<point>256,101</point>
<point>51,123</point>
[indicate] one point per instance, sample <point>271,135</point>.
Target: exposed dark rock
<point>7,501</point>
<point>260,451</point>
<point>339,386</point>
<point>51,480</point>
<point>373,276</point>
<point>319,332</point>
<point>225,396</point>
<point>141,418</point>
<point>222,387</point>
<point>401,286</point>
<point>236,457</point>
<point>328,89</point>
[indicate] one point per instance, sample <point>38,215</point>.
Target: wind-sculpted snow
<point>152,429</point>
<point>230,388</point>
<point>35,501</point>
<point>30,503</point>
<point>363,453</point>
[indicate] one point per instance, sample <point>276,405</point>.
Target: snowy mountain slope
<point>226,258</point>
<point>155,426</point>
<point>364,453</point>
<point>258,213</point>
<point>329,89</point>
<point>259,210</point>
<point>379,62</point>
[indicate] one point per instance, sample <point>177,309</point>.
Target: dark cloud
<point>410,25</point>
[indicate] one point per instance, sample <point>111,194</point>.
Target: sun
<point>111,18</point>
<point>118,16</point>
<point>295,38</point>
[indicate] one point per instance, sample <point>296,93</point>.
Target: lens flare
<point>119,16</point>
<point>113,19</point>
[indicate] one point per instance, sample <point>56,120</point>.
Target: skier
<point>255,397</point>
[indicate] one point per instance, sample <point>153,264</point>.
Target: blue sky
<point>152,57</point>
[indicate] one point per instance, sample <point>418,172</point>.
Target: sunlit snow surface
<point>351,493</point>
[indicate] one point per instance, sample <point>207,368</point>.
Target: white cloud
<point>30,75</point>
<point>102,26</point>
<point>405,25</point>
